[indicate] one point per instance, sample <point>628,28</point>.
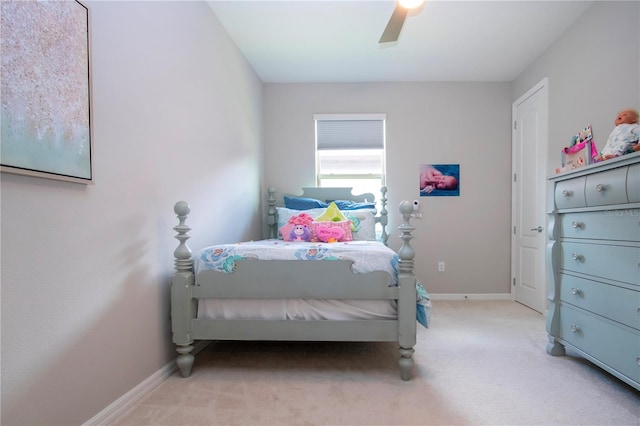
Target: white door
<point>529,236</point>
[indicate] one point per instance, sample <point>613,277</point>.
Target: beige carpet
<point>480,363</point>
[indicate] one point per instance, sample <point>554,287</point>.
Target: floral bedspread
<point>367,256</point>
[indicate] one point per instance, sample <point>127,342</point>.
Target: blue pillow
<point>301,203</point>
<point>352,205</point>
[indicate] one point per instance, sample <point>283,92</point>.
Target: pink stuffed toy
<point>300,233</point>
<point>329,234</point>
<point>297,229</point>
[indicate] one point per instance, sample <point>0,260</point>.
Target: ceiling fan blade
<point>392,31</point>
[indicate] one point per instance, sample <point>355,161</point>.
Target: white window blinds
<point>351,131</point>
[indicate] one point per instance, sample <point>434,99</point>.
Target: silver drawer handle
<point>600,187</point>
<point>577,225</point>
<point>539,229</point>
<point>576,256</point>
<point>576,291</point>
<point>638,360</point>
<point>567,193</point>
<point>575,328</point>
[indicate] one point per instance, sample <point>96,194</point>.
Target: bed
<point>325,288</point>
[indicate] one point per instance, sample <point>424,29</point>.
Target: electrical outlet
<point>440,266</point>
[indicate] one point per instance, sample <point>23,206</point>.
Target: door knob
<point>539,229</point>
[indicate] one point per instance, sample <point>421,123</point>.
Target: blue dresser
<point>594,265</point>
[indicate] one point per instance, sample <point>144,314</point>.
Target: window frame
<point>351,176</point>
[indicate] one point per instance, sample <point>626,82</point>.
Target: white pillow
<point>363,224</point>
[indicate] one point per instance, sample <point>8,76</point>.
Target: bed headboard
<point>330,194</point>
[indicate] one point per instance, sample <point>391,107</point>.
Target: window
<point>350,151</point>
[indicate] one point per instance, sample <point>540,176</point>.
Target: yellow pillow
<point>331,214</point>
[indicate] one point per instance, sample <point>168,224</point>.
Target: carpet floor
<point>479,363</point>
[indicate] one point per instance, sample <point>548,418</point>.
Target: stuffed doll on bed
<point>298,228</point>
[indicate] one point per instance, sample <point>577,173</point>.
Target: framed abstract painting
<point>46,90</point>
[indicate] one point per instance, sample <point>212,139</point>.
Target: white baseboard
<point>120,406</point>
<point>481,296</point>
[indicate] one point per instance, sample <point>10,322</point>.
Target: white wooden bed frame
<point>294,279</point>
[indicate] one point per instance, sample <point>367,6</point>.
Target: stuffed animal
<point>300,232</point>
<point>297,228</point>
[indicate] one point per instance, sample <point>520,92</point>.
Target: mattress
<point>296,309</point>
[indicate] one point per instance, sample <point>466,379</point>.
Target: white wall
<point>593,70</point>
<point>86,269</point>
<point>439,123</point>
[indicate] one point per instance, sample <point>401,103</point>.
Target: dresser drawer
<point>615,262</point>
<point>615,346</point>
<point>617,303</point>
<point>608,187</point>
<point>621,224</point>
<point>633,183</point>
<point>570,193</point>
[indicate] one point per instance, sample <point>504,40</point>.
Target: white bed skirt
<point>297,309</point>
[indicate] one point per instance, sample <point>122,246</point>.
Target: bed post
<point>408,295</point>
<point>272,222</point>
<point>384,219</point>
<point>182,305</point>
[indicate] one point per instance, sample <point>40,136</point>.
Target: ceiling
<point>446,40</point>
